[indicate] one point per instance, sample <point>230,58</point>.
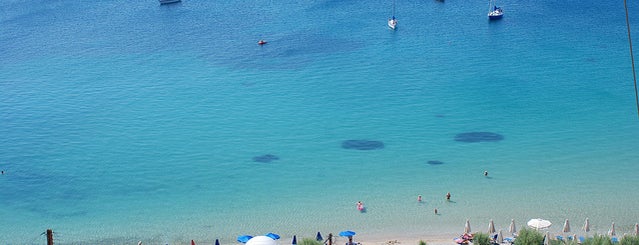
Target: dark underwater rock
<point>472,137</point>
<point>435,162</point>
<point>362,145</point>
<point>266,158</point>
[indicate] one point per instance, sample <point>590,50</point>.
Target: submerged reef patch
<point>266,158</point>
<point>472,137</point>
<point>362,145</point>
<point>435,162</point>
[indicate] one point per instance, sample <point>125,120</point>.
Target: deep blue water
<point>123,121</point>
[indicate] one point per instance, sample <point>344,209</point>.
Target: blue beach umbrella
<point>319,236</point>
<point>217,242</point>
<point>273,235</point>
<point>244,238</point>
<point>294,240</point>
<point>347,233</point>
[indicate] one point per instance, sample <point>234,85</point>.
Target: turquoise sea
<point>125,121</point>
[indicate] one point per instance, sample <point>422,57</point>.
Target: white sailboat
<point>494,12</point>
<point>392,22</point>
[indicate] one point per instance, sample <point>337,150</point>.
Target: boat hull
<point>496,13</point>
<point>392,24</point>
<point>495,17</point>
<point>169,1</point>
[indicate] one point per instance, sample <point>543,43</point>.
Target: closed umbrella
<point>318,237</point>
<point>294,240</point>
<point>512,229</point>
<point>566,226</point>
<point>611,232</point>
<point>192,242</point>
<point>587,225</point>
<point>491,227</point>
<point>467,226</point>
<point>539,223</point>
<point>217,242</point>
<point>500,238</point>
<point>636,229</point>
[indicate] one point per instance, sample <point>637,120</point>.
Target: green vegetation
<point>529,237</point>
<point>481,239</point>
<point>598,240</point>
<point>421,242</point>
<point>310,241</point>
<point>533,237</point>
<point>629,240</point>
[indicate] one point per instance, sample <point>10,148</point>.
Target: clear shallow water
<point>131,121</point>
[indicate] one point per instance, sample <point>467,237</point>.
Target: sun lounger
<point>509,240</point>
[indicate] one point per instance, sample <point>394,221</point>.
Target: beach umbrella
<point>636,229</point>
<point>500,238</point>
<point>261,240</point>
<point>273,235</point>
<point>611,232</point>
<point>587,225</point>
<point>294,240</point>
<point>566,226</point>
<point>491,227</point>
<point>217,241</point>
<point>244,238</point>
<point>539,223</point>
<point>347,233</point>
<point>512,229</point>
<point>318,237</point>
<point>467,226</point>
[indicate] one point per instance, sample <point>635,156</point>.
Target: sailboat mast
<point>393,8</point>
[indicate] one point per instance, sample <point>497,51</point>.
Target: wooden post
<point>49,237</point>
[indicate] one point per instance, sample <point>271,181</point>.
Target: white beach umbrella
<point>467,226</point>
<point>512,229</point>
<point>539,223</point>
<point>566,226</point>
<point>611,232</point>
<point>491,227</point>
<point>261,240</point>
<point>587,225</point>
